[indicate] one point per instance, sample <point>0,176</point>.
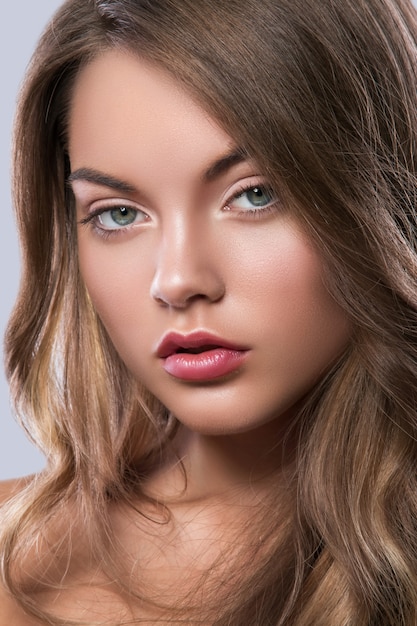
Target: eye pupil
<point>123,216</point>
<point>258,196</point>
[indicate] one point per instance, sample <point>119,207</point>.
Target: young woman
<point>215,342</point>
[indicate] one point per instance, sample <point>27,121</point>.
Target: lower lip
<point>204,366</point>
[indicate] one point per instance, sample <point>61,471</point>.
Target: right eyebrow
<point>225,163</point>
<point>99,178</point>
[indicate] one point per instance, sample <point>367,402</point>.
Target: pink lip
<point>217,357</point>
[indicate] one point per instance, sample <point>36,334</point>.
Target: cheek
<point>285,296</point>
<point>116,283</point>
<point>317,328</point>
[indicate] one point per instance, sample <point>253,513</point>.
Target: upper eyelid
<point>109,203</point>
<point>97,206</point>
<point>252,185</point>
<point>243,187</point>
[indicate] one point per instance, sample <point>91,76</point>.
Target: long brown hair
<point>323,96</point>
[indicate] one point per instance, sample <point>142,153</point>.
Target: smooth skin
<point>176,242</point>
<point>179,231</point>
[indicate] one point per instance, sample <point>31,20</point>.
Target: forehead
<point>124,105</point>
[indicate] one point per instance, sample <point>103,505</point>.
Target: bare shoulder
<point>10,488</point>
<point>11,613</point>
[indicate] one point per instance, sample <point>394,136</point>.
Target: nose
<point>187,269</point>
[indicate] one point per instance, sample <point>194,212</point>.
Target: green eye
<point>121,216</point>
<point>258,196</point>
<point>253,198</point>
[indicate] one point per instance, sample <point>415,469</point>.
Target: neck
<point>205,467</point>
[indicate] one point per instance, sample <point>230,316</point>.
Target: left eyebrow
<point>225,163</point>
<point>99,178</point>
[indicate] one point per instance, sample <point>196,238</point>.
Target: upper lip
<point>174,342</point>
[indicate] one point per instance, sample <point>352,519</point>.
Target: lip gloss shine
<point>206,365</point>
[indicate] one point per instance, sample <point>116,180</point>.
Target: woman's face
<point>209,289</point>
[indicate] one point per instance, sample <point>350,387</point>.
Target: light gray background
<point>22,22</point>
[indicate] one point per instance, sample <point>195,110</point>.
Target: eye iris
<point>123,216</point>
<point>258,196</point>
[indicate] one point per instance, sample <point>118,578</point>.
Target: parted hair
<point>323,95</point>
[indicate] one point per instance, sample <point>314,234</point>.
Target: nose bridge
<point>186,265</point>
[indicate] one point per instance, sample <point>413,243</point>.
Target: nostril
<point>160,301</point>
<point>179,288</point>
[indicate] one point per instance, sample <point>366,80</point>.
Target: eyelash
<point>255,213</point>
<point>92,220</point>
